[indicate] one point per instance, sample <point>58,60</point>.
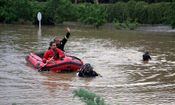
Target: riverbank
<point>155,28</point>
<point>141,27</point>
<point>110,26</point>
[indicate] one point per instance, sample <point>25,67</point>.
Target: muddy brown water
<point>116,55</point>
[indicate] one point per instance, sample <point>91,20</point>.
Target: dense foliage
<point>148,1</point>
<point>141,11</point>
<point>15,10</point>
<point>172,16</point>
<point>116,11</point>
<point>92,14</point>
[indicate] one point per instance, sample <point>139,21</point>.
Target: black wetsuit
<point>146,57</point>
<point>63,42</point>
<point>59,45</point>
<point>87,74</point>
<point>87,71</point>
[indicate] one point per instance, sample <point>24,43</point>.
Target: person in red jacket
<point>53,53</point>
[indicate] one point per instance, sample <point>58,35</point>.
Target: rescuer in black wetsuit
<point>59,43</point>
<point>87,71</point>
<point>146,56</point>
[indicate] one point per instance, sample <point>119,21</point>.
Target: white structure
<point>39,16</point>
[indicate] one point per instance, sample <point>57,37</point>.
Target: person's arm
<point>64,40</point>
<point>95,73</point>
<point>149,57</point>
<point>46,56</point>
<point>80,74</point>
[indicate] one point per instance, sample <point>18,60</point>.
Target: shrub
<point>172,17</point>
<point>117,11</point>
<point>92,14</point>
<point>88,97</point>
<point>59,10</point>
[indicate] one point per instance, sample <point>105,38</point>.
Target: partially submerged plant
<point>88,97</point>
<point>128,24</point>
<point>14,104</point>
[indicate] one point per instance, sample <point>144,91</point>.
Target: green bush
<point>155,14</point>
<point>140,12</point>
<point>131,9</point>
<point>128,24</point>
<point>88,97</point>
<point>92,14</point>
<point>60,10</point>
<point>117,11</point>
<point>172,16</point>
<point>7,12</point>
<point>144,13</point>
<point>15,10</point>
<point>23,9</point>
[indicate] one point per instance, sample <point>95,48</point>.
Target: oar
<point>45,64</point>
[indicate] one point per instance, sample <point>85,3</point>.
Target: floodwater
<point>116,55</point>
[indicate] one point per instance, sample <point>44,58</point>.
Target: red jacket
<point>50,53</point>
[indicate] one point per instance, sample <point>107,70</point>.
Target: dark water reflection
<point>116,55</point>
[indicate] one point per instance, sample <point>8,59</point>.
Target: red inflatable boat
<point>69,63</point>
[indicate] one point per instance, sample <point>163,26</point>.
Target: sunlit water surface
<point>116,55</point>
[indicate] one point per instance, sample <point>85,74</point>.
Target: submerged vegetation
<point>123,13</point>
<point>88,97</point>
<point>128,24</point>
